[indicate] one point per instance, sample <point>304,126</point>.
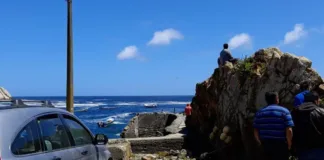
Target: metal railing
<point>26,103</point>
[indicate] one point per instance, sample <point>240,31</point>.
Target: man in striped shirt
<point>273,128</point>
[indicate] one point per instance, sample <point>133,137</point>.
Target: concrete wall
<point>156,144</point>
<point>131,130</point>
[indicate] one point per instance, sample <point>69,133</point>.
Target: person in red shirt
<point>188,110</point>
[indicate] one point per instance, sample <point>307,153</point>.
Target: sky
<point>142,47</point>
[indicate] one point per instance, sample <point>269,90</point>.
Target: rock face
<point>224,105</point>
<point>149,125</point>
<point>4,94</point>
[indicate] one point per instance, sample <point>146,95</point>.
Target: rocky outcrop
<point>224,105</point>
<point>151,125</point>
<point>4,94</point>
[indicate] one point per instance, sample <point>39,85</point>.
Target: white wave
<point>151,102</point>
<point>126,104</point>
<point>174,103</point>
<point>62,104</point>
<point>101,120</point>
<point>117,122</point>
<point>120,116</point>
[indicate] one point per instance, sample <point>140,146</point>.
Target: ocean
<point>120,108</point>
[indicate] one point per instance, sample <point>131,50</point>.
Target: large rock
<point>120,149</point>
<point>149,125</point>
<point>4,94</point>
<point>232,95</point>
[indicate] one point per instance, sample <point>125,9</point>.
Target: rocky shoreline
<point>223,108</point>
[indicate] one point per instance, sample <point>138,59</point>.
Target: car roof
<point>13,119</point>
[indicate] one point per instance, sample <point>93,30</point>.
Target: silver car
<point>47,133</point>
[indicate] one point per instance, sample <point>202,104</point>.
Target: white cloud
<point>297,33</point>
<point>239,40</point>
<point>165,37</point>
<point>128,52</point>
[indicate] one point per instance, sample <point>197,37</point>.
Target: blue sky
<point>167,46</point>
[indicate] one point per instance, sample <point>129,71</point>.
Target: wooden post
<point>69,78</point>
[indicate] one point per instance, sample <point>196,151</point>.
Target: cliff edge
<point>4,94</point>
<point>224,105</point>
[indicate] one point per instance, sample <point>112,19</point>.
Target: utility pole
<point>69,71</point>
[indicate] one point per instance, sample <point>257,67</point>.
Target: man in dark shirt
<point>225,55</point>
<point>299,98</point>
<point>273,128</point>
<point>309,129</point>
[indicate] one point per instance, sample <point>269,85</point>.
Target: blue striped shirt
<point>272,121</point>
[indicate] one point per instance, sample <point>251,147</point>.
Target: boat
<point>110,121</point>
<point>150,105</point>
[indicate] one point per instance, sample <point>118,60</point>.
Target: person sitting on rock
<point>299,98</point>
<point>309,129</point>
<point>273,128</point>
<point>225,55</point>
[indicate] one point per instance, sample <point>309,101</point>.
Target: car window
<point>27,141</point>
<point>53,132</point>
<point>80,135</point>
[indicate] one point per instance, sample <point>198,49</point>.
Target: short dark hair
<point>311,97</point>
<point>225,45</point>
<point>271,97</point>
<point>304,85</point>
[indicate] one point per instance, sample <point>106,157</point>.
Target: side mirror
<point>100,139</point>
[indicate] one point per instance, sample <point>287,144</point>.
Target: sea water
<point>120,108</point>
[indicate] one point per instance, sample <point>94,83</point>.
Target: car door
<point>83,140</point>
<point>54,138</point>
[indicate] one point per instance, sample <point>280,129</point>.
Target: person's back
<point>299,98</point>
<point>271,122</point>
<point>273,128</point>
<point>309,128</point>
<point>225,55</point>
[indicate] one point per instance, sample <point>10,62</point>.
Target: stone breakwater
<point>151,136</point>
<point>153,125</point>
